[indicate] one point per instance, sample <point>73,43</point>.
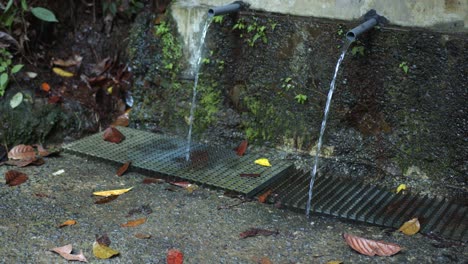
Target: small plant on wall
<point>404,66</point>
<point>254,32</point>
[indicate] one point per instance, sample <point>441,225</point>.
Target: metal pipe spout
<point>226,9</point>
<point>371,20</point>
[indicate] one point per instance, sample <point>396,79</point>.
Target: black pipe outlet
<point>226,9</point>
<point>371,20</point>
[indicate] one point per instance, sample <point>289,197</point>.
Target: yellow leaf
<point>134,223</point>
<point>410,227</point>
<point>112,192</point>
<point>68,223</point>
<point>263,162</point>
<point>334,262</point>
<point>109,90</point>
<point>191,187</point>
<point>62,73</point>
<point>400,188</point>
<point>103,252</point>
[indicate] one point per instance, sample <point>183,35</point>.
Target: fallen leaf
<point>24,163</point>
<point>14,178</point>
<point>122,120</point>
<point>134,223</point>
<point>335,262</point>
<point>144,209</point>
<point>31,75</point>
<point>257,232</point>
<point>113,135</point>
<point>6,39</point>
<point>142,236</point>
<point>75,60</point>
<point>112,192</point>
<point>16,100</point>
<point>45,87</point>
<point>152,180</point>
<point>263,162</point>
<point>22,152</point>
<point>182,184</point>
<point>400,188</point>
<point>103,252</point>
<point>264,196</point>
<point>174,256</point>
<point>240,150</point>
<point>65,252</point>
<point>371,247</point>
<point>54,99</point>
<point>106,199</point>
<point>263,260</point>
<point>250,175</point>
<point>103,240</point>
<point>123,168</point>
<point>68,223</point>
<point>58,172</point>
<point>191,188</point>
<point>62,73</point>
<point>410,227</point>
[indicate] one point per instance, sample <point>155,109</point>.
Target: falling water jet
<point>220,10</point>
<point>371,20</point>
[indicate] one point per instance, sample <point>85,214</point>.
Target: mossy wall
<point>399,107</point>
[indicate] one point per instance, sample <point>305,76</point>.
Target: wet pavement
<point>195,223</point>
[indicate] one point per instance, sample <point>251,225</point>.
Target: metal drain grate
<point>165,155</point>
<point>357,201</point>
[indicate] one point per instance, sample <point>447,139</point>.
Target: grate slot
<point>454,226</point>
<point>369,214</point>
<point>340,199</point>
<point>361,203</point>
<point>328,197</point>
<point>434,216</point>
<point>398,214</point>
<point>442,225</point>
<point>321,191</point>
<point>349,202</point>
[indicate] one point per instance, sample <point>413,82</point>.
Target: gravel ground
<point>191,222</point>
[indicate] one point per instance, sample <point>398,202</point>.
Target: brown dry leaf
<point>65,252</point>
<point>410,227</point>
<point>68,223</point>
<point>103,240</point>
<point>113,135</point>
<point>142,236</point>
<point>174,256</point>
<point>153,180</point>
<point>123,168</point>
<point>19,163</point>
<point>258,232</point>
<point>183,184</point>
<point>13,178</point>
<point>134,223</point>
<point>22,152</point>
<point>249,175</point>
<point>75,60</point>
<point>106,199</point>
<point>264,196</point>
<point>371,247</point>
<point>262,260</point>
<point>123,119</point>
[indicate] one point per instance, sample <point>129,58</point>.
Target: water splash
<point>324,124</point>
<point>198,55</point>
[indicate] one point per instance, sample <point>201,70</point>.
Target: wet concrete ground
<point>191,222</point>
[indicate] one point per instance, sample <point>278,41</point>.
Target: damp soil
<point>198,223</point>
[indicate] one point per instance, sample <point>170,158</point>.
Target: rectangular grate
<point>356,201</point>
<point>166,155</point>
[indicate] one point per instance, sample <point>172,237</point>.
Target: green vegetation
<point>404,66</point>
<point>358,50</point>
<point>129,8</point>
<point>171,49</point>
<point>253,32</point>
<point>218,19</point>
<point>7,70</point>
<point>301,98</point>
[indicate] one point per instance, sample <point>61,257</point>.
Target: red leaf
<point>113,135</point>
<point>263,197</point>
<point>257,232</point>
<point>174,256</point>
<point>242,148</point>
<point>54,99</point>
<point>250,175</point>
<point>371,247</point>
<point>14,178</point>
<point>45,87</point>
<point>152,180</point>
<point>22,152</point>
<point>123,168</point>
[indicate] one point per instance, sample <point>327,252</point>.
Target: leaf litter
<point>371,247</point>
<point>258,232</point>
<point>14,178</point>
<point>66,253</point>
<point>410,227</point>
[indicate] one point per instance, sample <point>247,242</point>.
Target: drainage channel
<point>165,155</point>
<point>345,198</point>
<point>221,168</point>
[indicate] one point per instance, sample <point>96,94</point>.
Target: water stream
<point>198,56</point>
<point>324,124</point>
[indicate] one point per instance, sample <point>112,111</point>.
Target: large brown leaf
<point>66,251</point>
<point>113,135</point>
<point>371,247</point>
<point>22,152</point>
<point>13,178</point>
